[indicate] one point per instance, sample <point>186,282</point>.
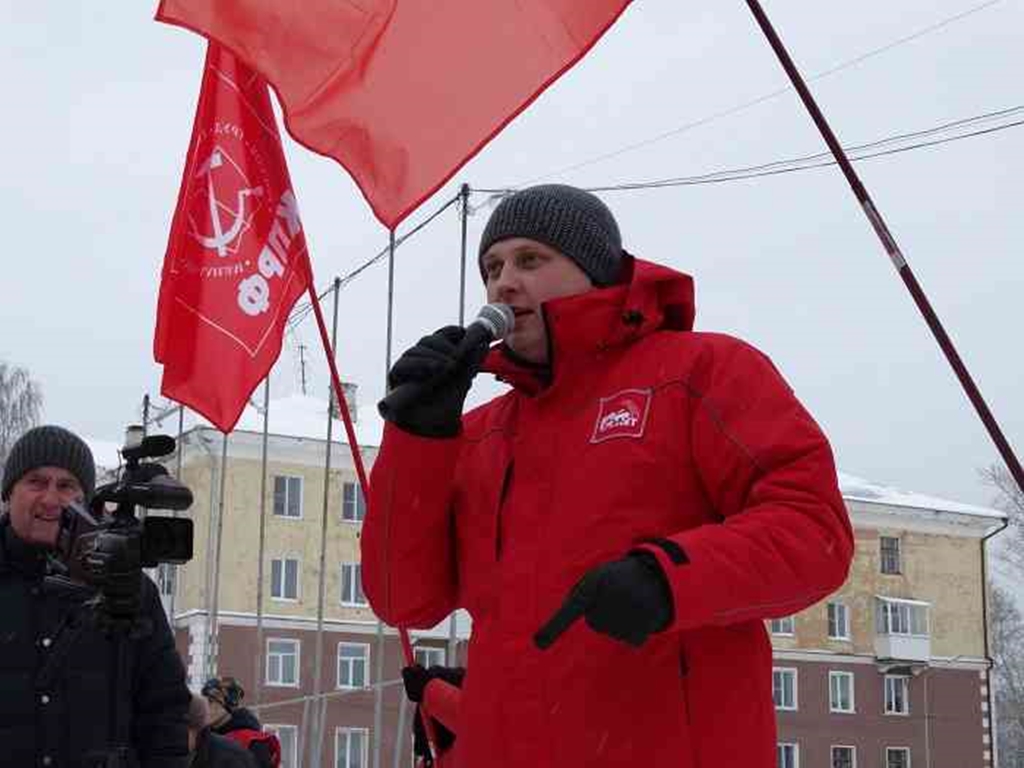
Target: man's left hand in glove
<point>627,599</point>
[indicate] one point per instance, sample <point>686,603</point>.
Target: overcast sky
<point>99,104</point>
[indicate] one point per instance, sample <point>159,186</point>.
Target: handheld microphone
<point>494,322</point>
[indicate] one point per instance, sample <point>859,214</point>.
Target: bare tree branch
<point>1008,655</point>
<point>1009,499</point>
<point>20,402</point>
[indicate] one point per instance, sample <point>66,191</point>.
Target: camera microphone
<point>494,322</point>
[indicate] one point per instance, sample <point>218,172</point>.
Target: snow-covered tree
<point>1007,623</point>
<point>20,402</point>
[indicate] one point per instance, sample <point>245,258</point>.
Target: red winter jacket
<point>687,444</point>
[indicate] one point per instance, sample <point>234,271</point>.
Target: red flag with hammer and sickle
<point>236,259</point>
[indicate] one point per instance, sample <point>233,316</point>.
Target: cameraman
<point>58,668</point>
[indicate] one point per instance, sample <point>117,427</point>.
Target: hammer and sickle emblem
<point>221,238</point>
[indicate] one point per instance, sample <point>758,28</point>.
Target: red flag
<point>401,92</point>
<point>236,259</point>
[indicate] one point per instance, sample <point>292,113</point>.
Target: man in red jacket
<point>619,524</point>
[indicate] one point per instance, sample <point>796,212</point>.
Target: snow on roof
<point>857,489</point>
<point>304,416</point>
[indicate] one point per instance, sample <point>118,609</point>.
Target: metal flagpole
<point>181,448</point>
<point>403,707</point>
<point>464,194</point>
<point>303,747</point>
<point>453,637</point>
<point>316,742</point>
<point>213,647</point>
<point>145,431</point>
<point>259,656</point>
<point>378,694</point>
<point>179,461</point>
<point>891,247</point>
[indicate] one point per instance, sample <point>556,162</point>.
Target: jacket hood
<point>649,298</point>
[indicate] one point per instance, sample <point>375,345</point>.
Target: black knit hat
<point>570,220</point>
<point>50,447</point>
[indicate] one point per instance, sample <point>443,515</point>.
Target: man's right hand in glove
<point>416,678</point>
<point>445,372</point>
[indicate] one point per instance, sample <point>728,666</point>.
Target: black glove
<point>122,594</point>
<point>415,679</point>
<point>445,372</point>
<point>626,599</point>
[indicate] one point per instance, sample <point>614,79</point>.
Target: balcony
<point>901,629</point>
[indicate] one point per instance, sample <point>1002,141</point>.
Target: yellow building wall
<point>284,538</point>
<point>939,569</point>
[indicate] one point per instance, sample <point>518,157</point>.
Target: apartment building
<point>890,672</point>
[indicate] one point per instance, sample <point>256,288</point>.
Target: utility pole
<point>302,366</point>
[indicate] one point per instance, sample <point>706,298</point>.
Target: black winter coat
<point>58,715</point>
<point>216,751</point>
<point>242,719</point>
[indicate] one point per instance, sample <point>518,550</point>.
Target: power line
<point>808,162</point>
<point>948,132</point>
<point>766,97</point>
<point>302,311</point>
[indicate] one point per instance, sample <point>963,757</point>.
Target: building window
<point>787,756</point>
<point>890,548</point>
<point>350,747</point>
<point>840,692</point>
<point>287,496</point>
<point>427,656</point>
<point>784,626</point>
<point>284,579</point>
<point>784,688</point>
<point>353,504</point>
<point>288,735</point>
<point>353,665</point>
<point>902,617</point>
<point>352,584</point>
<point>844,757</point>
<point>897,757</point>
<point>897,695</point>
<point>838,621</point>
<point>283,662</point>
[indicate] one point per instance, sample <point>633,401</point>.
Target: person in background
<point>211,750</point>
<point>619,524</point>
<point>229,718</point>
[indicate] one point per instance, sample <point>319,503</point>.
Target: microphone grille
<point>498,318</point>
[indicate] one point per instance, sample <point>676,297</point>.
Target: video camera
<point>106,546</point>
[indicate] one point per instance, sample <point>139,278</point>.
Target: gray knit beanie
<point>50,447</point>
<point>570,220</point>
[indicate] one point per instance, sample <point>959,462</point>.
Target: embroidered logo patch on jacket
<point>624,414</point>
